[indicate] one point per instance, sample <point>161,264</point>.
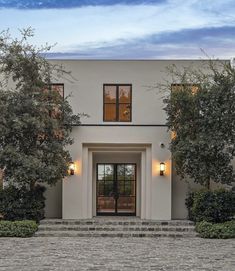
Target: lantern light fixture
<point>71,168</point>
<point>162,168</point>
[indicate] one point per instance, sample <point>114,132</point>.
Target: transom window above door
<point>117,102</point>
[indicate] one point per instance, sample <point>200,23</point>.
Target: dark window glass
<point>124,94</point>
<point>124,112</point>
<point>110,112</point>
<point>109,172</point>
<point>130,172</point>
<point>110,94</point>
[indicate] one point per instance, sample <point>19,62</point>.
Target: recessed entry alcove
<point>116,179</point>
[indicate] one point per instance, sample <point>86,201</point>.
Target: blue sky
<point>126,29</point>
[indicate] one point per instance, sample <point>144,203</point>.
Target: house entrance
<point>116,189</point>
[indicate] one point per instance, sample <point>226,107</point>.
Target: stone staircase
<point>115,227</point>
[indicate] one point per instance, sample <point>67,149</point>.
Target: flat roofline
<point>150,60</point>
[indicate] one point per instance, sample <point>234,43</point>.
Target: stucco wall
<point>86,86</point>
<point>88,77</point>
<point>159,193</point>
<point>53,202</point>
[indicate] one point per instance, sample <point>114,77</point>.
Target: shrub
<point>22,204</point>
<point>221,230</point>
<point>25,228</point>
<point>211,206</point>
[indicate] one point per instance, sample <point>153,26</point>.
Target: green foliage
<point>220,231</point>
<point>35,120</point>
<point>22,204</point>
<point>203,120</point>
<point>211,206</point>
<point>25,228</point>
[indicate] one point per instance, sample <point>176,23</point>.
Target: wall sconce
<point>71,168</point>
<point>162,168</point>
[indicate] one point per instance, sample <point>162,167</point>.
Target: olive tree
<point>35,120</point>
<point>201,115</point>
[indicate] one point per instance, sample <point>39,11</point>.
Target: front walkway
<point>116,254</point>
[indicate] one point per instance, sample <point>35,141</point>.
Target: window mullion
<point>117,103</point>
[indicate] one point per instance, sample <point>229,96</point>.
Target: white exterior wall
<point>53,195</point>
<point>142,136</point>
<point>155,190</point>
<point>87,91</point>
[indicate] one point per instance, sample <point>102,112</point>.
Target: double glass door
<point>116,189</point>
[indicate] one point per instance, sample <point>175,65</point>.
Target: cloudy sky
<point>126,29</point>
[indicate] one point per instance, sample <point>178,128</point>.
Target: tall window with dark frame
<point>117,102</point>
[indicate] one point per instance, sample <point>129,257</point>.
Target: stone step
<point>114,234</point>
<point>61,227</point>
<point>115,227</point>
<point>125,222</point>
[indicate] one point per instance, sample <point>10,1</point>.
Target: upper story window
<point>117,102</point>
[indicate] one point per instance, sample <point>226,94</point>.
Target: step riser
<point>117,223</point>
<point>114,229</point>
<point>126,235</point>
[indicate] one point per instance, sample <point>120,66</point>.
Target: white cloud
<point>91,27</point>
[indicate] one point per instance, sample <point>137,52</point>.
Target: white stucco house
<point>119,148</point>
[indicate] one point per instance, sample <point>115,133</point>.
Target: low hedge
<point>22,204</point>
<point>24,228</point>
<point>212,206</point>
<point>220,230</point>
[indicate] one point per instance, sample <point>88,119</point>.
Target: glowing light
<point>162,168</point>
<point>71,168</point>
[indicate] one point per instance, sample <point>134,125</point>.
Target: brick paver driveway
<point>116,254</point>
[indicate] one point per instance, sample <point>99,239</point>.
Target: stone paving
<point>46,254</point>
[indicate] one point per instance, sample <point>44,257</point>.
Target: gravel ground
<point>42,253</point>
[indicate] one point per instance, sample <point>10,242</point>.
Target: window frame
<point>117,102</point>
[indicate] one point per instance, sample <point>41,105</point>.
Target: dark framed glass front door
<point>116,189</point>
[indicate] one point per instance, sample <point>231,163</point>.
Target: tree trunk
<point>32,185</point>
<point>208,183</point>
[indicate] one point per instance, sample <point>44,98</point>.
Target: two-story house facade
<point>122,162</point>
